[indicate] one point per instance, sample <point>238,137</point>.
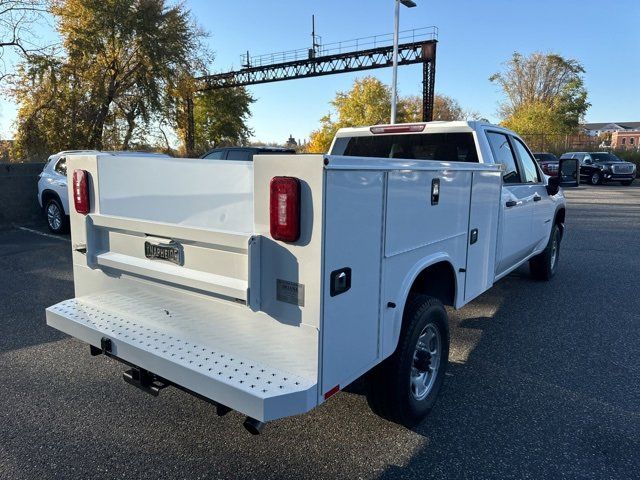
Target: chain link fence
<point>561,143</point>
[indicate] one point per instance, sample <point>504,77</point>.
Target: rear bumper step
<point>148,342</point>
<point>147,381</point>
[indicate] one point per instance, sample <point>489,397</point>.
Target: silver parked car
<point>52,186</point>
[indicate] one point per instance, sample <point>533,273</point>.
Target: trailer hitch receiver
<point>144,380</point>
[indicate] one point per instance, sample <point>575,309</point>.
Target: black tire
<point>57,221</point>
<point>595,178</point>
<point>544,265</point>
<point>390,390</point>
<point>626,183</point>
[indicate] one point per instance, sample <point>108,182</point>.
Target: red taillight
<point>418,127</point>
<point>81,191</point>
<point>284,209</point>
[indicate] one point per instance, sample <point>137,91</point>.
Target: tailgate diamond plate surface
<point>242,373</point>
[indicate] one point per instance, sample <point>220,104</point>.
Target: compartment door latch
<point>340,281</point>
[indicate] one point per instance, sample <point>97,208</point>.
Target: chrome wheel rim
<point>54,215</point>
<point>595,178</point>
<point>426,362</point>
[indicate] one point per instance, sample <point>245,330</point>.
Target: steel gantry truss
<point>362,54</point>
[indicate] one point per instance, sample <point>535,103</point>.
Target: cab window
<point>215,155</point>
<point>444,147</point>
<point>61,166</point>
<point>529,169</point>
<point>503,154</point>
<point>243,155</point>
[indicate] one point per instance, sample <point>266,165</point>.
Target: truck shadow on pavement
<point>545,389</point>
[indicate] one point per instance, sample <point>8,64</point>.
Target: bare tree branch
<point>18,31</point>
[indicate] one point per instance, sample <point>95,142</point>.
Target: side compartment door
<point>351,275</point>
<point>516,206</point>
<point>483,229</point>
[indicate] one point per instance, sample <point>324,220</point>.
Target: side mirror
<point>568,176</point>
<point>569,172</point>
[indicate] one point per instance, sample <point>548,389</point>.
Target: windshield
<point>604,157</point>
<point>448,147</point>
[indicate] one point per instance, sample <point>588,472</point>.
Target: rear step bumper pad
<point>256,390</point>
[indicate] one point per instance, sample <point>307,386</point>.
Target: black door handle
<point>511,203</point>
<point>537,198</point>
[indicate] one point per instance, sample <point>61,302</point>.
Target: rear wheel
<point>595,178</point>
<point>626,183</point>
<point>544,265</point>
<point>404,387</point>
<point>57,221</point>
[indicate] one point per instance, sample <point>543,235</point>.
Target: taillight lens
<point>81,191</point>
<point>284,209</point>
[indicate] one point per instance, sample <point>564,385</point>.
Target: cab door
<point>544,206</point>
<point>515,239</point>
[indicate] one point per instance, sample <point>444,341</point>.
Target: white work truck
<point>268,286</point>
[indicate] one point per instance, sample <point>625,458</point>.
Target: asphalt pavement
<point>544,382</point>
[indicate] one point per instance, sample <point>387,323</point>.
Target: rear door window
<point>61,166</point>
<point>447,147</point>
<point>503,154</point>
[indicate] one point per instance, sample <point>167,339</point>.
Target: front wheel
<point>57,221</point>
<point>544,265</point>
<point>595,178</point>
<point>404,387</point>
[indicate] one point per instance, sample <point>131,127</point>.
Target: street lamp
<point>394,81</point>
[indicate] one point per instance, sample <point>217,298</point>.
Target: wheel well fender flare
<point>390,343</point>
<point>47,194</point>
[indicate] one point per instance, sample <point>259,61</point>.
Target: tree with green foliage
<point>369,103</point>
<point>220,118</point>
<point>543,93</point>
<point>123,73</point>
<point>445,108</point>
<point>538,117</point>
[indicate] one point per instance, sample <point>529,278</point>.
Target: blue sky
<point>475,37</point>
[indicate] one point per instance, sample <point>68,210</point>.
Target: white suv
<point>52,186</point>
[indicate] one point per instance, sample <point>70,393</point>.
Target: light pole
<point>394,81</point>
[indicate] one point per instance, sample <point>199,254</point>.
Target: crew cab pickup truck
<point>266,287</point>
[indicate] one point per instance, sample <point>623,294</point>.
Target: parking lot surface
<point>544,382</point>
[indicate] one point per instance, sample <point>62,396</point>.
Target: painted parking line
<point>43,234</point>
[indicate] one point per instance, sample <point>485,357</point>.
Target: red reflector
<point>284,209</point>
<point>81,191</point>
<point>331,392</point>
<point>418,127</point>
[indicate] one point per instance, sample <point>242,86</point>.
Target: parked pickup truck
<point>267,287</point>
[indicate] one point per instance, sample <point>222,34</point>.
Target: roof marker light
<point>416,127</point>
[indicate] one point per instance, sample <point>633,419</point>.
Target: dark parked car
<point>244,154</point>
<point>548,162</point>
<point>599,167</point>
